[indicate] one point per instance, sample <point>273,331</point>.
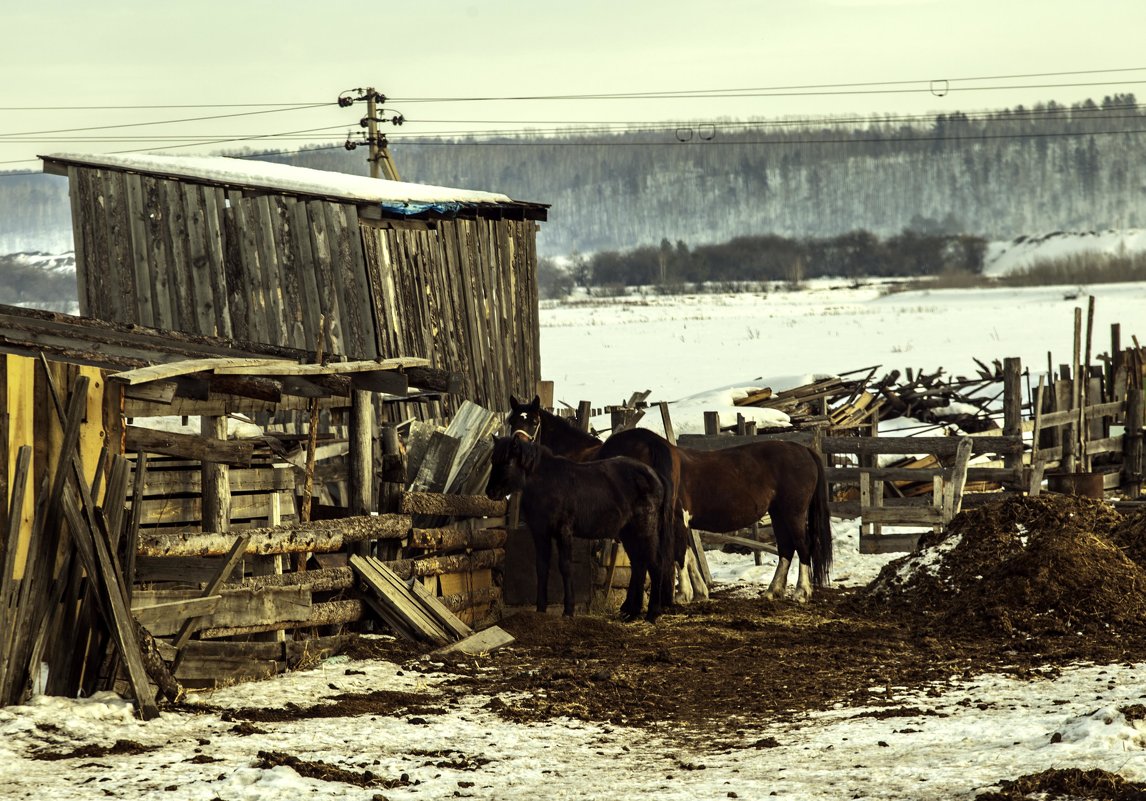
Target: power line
<point>154,106</point>
<point>580,128</point>
<point>926,85</point>
<point>890,139</point>
<point>4,136</point>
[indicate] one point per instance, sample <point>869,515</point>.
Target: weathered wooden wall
<point>270,268</point>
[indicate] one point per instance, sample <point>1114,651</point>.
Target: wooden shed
<point>295,257</point>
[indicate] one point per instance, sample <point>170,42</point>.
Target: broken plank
<point>439,612</point>
<point>333,368</point>
<point>397,601</point>
<point>481,642</point>
<point>167,615</point>
<point>160,372</point>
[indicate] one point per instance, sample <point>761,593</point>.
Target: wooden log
<point>453,563</point>
<point>434,379</point>
<point>455,539</point>
<point>216,483</point>
<point>327,579</point>
<point>431,503</point>
<point>320,536</point>
<point>459,601</point>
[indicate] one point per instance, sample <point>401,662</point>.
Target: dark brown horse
<point>721,490</point>
<point>562,499</point>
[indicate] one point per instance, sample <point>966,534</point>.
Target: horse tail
<point>820,526</point>
<point>670,546</point>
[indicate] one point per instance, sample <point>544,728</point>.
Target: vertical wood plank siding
<point>267,267</point>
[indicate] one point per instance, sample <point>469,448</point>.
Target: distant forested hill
<point>998,175</point>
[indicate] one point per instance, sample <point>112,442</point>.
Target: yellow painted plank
<point>21,431</point>
<point>92,435</point>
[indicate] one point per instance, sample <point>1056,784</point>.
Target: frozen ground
<point>976,731</point>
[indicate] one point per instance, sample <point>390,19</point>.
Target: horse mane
<point>531,455</point>
<point>562,426</point>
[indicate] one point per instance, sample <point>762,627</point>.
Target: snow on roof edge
<point>296,180</point>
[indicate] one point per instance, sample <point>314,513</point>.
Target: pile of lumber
<point>845,402</point>
<point>63,591</point>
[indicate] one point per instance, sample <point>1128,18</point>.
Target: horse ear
<point>535,404</point>
<point>514,402</point>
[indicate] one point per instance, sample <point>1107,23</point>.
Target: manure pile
<point>1045,566</point>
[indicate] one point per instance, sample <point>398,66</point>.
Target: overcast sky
<point>849,57</point>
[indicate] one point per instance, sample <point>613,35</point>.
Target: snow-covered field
<point>603,350</point>
<point>986,728</point>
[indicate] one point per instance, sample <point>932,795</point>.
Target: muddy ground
<point>1023,587</point>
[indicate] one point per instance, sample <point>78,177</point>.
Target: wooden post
<point>584,412</point>
<point>1132,466</point>
<point>545,393</point>
<point>1087,394</point>
<point>312,441</point>
<point>1013,408</point>
<point>361,452</point>
<point>216,482</point>
<point>711,423</point>
<point>1077,399</point>
<point>393,465</point>
<point>666,421</point>
<point>1116,355</point>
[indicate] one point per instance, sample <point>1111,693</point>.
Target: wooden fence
<point>1067,427</point>
<point>207,540</point>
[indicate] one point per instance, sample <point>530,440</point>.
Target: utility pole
<point>380,161</point>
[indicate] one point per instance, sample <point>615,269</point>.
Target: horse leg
<point>792,540</point>
<point>684,584</point>
<point>779,584</point>
<point>543,547</point>
<point>696,578</point>
<point>565,565</point>
<point>656,594</point>
<point>786,548</point>
<point>635,594</point>
<point>661,592</point>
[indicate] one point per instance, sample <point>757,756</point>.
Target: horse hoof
<point>628,617</point>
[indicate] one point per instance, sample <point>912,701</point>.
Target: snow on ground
<point>983,728</point>
<point>1003,258</point>
<point>970,733</point>
<point>603,350</point>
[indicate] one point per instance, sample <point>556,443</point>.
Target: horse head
<point>524,418</point>
<point>511,462</point>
